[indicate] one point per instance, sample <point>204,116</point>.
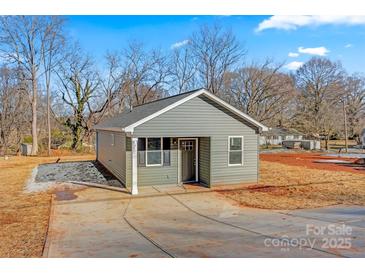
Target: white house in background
<point>362,138</point>
<point>275,136</point>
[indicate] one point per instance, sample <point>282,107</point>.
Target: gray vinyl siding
<point>201,117</point>
<point>153,175</point>
<point>204,160</point>
<point>113,157</point>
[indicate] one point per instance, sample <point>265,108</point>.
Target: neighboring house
<point>191,137</point>
<point>275,136</point>
<point>362,138</point>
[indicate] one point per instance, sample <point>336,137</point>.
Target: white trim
<point>97,145</point>
<point>113,139</point>
<point>131,127</point>
<point>238,112</point>
<point>158,113</point>
<point>116,129</point>
<point>179,162</point>
<point>161,151</point>
<point>229,150</point>
<point>134,166</point>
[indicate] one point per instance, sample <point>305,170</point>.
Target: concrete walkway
<point>101,223</point>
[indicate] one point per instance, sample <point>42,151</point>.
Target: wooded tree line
<point>52,92</point>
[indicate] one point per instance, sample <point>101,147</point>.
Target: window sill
<point>153,165</point>
<point>235,164</point>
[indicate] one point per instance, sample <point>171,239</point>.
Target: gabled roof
<point>128,120</point>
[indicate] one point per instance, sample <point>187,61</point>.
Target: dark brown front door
<point>188,160</point>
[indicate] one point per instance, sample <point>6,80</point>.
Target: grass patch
<point>24,217</point>
<point>290,187</point>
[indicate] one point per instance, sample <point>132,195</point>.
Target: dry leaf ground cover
<point>24,217</point>
<point>284,186</point>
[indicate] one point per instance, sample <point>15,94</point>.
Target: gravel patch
<point>46,176</point>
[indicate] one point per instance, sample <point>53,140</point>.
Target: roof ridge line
<point>168,97</point>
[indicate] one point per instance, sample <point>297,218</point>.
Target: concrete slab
<point>94,229</point>
<point>187,234</point>
<point>333,214</point>
<point>101,223</point>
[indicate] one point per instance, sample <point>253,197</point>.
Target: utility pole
<point>345,124</point>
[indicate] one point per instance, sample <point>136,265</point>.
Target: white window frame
<point>113,139</point>
<point>146,151</point>
<point>229,150</point>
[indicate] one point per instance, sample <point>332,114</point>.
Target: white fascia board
<point>236,111</point>
<point>115,129</point>
<point>130,128</point>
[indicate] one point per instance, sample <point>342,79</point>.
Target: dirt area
<point>308,160</point>
<point>293,186</point>
<point>24,217</point>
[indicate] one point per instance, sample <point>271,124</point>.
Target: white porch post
<point>134,165</point>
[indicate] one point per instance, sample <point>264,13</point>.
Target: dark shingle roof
<point>130,117</point>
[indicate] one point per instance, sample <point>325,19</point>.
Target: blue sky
<point>338,38</point>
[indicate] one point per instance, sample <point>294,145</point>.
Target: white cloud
<point>179,44</point>
<point>293,65</point>
<point>348,46</point>
<point>321,51</point>
<point>292,22</point>
<point>293,54</point>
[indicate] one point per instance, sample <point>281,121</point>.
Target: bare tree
<point>79,83</point>
<point>355,104</point>
<point>216,51</point>
<point>52,54</point>
<point>261,91</point>
<point>111,83</point>
<point>13,109</point>
<point>144,74</point>
<point>22,39</point>
<point>183,70</point>
<point>320,85</point>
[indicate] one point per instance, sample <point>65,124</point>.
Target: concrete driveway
<point>101,223</point>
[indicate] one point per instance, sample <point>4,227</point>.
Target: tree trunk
<point>327,142</point>
<point>76,133</point>
<point>76,140</point>
<point>48,121</point>
<point>345,125</point>
<point>34,115</point>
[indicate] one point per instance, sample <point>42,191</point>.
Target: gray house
<point>191,137</point>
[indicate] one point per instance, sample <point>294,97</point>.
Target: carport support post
<point>134,166</point>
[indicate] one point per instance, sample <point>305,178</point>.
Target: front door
<point>188,161</point>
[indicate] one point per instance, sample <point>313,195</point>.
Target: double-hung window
<point>235,150</point>
<point>154,151</point>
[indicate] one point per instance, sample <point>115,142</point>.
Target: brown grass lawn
<point>290,187</point>
<point>24,217</point>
